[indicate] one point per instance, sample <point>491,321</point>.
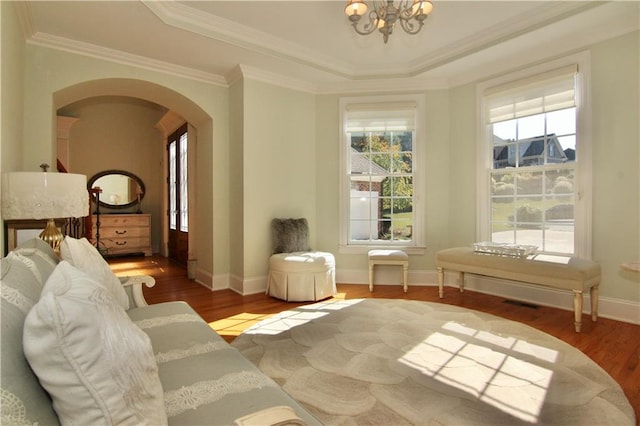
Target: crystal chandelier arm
<point>385,14</point>
<point>369,27</point>
<point>411,27</point>
<point>406,10</point>
<point>413,15</point>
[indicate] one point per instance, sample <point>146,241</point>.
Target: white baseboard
<point>386,275</point>
<point>245,287</point>
<point>616,309</point>
<point>204,278</point>
<point>220,282</point>
<point>254,285</point>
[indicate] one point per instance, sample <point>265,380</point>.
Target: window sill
<point>364,249</point>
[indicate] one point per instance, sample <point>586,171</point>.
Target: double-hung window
<point>533,147</point>
<point>379,181</point>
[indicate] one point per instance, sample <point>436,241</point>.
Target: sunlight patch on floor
<point>285,321</point>
<point>124,269</point>
<point>237,324</point>
<point>488,367</point>
<point>509,342</point>
<point>278,323</point>
<point>340,296</point>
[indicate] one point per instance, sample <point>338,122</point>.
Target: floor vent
<point>519,303</point>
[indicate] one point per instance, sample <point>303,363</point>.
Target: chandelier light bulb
<point>385,14</point>
<point>355,9</point>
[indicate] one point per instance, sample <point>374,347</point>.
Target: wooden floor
<point>614,345</point>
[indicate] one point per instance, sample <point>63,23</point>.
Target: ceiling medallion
<point>385,14</point>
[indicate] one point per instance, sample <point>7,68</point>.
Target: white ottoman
<point>302,276</point>
<point>388,257</point>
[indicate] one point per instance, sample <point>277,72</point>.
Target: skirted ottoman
<point>302,276</point>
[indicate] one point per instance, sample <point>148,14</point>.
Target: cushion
<point>388,255</point>
<point>290,235</point>
<point>22,400</point>
<point>281,415</point>
<point>96,364</point>
<point>84,256</point>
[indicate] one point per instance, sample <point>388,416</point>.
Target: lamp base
<point>52,236</point>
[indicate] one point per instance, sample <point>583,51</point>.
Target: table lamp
<point>44,195</point>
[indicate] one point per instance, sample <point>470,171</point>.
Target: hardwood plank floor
<point>613,345</point>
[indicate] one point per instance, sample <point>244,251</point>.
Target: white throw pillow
<point>96,364</point>
<point>84,256</point>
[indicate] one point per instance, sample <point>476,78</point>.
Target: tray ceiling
<point>310,44</point>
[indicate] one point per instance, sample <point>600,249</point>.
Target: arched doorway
<point>179,109</point>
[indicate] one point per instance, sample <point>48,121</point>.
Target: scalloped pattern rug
<point>400,362</point>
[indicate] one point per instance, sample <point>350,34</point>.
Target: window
<point>178,193</point>
<point>379,176</point>
<point>535,179</point>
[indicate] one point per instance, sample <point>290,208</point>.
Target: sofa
<point>75,351</point>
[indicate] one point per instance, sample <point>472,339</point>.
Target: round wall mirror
<point>120,189</point>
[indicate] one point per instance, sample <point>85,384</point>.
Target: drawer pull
<point>121,232</point>
<point>121,243</point>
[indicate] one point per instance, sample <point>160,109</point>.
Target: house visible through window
<point>379,184</point>
<point>533,177</point>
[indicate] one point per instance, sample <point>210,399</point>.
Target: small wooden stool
<point>388,257</point>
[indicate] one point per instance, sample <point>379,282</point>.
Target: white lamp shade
<point>40,195</point>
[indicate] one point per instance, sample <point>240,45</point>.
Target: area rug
<point>400,362</point>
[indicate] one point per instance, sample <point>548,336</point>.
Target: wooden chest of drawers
<point>124,233</point>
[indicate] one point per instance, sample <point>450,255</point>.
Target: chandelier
<point>385,14</point>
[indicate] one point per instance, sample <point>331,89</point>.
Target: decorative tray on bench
<point>504,249</point>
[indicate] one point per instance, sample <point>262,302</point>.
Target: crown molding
<point>112,55</point>
<point>217,28</point>
<point>383,85</point>
<point>196,21</point>
<point>241,71</point>
<point>541,17</point>
<point>244,71</point>
<point>398,82</point>
<point>23,10</point>
<point>234,76</point>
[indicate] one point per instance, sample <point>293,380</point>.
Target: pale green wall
<point>616,165</point>
<point>236,162</point>
<point>436,174</point>
<point>435,152</point>
<point>327,138</point>
<point>11,99</point>
<point>279,166</point>
<point>281,158</point>
<point>451,169</point>
<point>53,73</point>
<point>462,171</point>
<point>11,104</point>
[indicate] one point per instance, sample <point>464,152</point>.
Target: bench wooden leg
<point>594,302</point>
<point>461,281</point>
<point>370,276</point>
<point>577,309</point>
<point>440,282</point>
<point>405,273</point>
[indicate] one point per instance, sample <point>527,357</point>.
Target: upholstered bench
<point>388,257</point>
<point>573,274</point>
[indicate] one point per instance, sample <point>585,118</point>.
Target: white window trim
<point>584,165</point>
<point>417,245</point>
